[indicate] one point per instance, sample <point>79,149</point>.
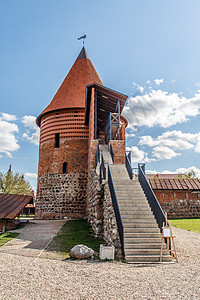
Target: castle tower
<point>70,127</point>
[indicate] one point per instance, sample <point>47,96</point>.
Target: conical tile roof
<point>71,93</point>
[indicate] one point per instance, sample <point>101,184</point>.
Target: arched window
<point>65,168</point>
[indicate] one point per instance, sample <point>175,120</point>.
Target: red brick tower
<point>63,155</point>
<point>81,113</point>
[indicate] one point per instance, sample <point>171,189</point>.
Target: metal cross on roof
<point>83,37</point>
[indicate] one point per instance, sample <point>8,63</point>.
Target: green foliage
<point>14,183</point>
<point>188,175</point>
<point>187,224</point>
<point>6,237</point>
<point>72,233</point>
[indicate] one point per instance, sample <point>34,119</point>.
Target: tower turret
<point>70,127</point>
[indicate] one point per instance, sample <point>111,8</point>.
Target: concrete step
<point>136,214</point>
<point>141,225</point>
<point>141,229</point>
<point>127,182</point>
<point>135,235</point>
<point>143,246</point>
<point>134,209</point>
<point>133,252</point>
<point>131,195</point>
<point>131,199</point>
<point>127,203</point>
<point>148,258</point>
<point>131,222</point>
<point>141,240</point>
<point>139,216</point>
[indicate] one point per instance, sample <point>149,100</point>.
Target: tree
<point>187,175</point>
<point>14,183</point>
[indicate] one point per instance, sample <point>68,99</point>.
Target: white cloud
<point>161,153</point>
<point>130,135</point>
<point>8,141</point>
<point>170,141</point>
<point>178,171</point>
<point>197,83</point>
<point>160,108</point>
<point>187,170</point>
<point>137,155</point>
<point>139,87</point>
<point>31,175</point>
<point>8,117</point>
<point>33,133</point>
<point>174,139</point>
<point>158,81</point>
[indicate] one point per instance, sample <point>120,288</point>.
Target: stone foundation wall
<point>101,213</point>
<point>179,204</point>
<point>182,209</point>
<point>95,204</point>
<point>61,195</point>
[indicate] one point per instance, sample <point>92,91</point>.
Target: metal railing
<point>103,167</point>
<point>128,167</point>
<point>97,157</point>
<point>112,153</point>
<point>153,202</point>
<point>116,209</point>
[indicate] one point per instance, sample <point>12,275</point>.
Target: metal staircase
<point>141,234</point>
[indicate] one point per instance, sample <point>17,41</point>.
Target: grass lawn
<point>6,237</point>
<point>72,233</point>
<point>187,224</point>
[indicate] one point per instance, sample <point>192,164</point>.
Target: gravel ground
<point>25,277</point>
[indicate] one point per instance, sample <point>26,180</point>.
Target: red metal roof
<point>11,205</point>
<point>72,91</point>
<point>175,184</point>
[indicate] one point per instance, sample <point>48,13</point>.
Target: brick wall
<point>61,195</point>
<point>179,203</point>
<point>73,151</point>
<point>119,151</point>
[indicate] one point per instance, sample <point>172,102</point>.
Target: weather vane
<point>83,37</point>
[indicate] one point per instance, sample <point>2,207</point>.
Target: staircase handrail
<point>102,170</point>
<point>98,153</point>
<point>152,200</point>
<point>103,167</point>
<point>97,157</point>
<point>112,153</point>
<point>116,209</point>
<point>128,167</point>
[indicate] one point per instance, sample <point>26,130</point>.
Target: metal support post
<point>95,115</point>
<point>119,117</point>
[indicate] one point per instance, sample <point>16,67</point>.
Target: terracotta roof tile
<point>72,91</point>
<point>175,184</point>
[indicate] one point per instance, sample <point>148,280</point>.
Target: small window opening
<point>57,140</point>
<point>65,168</point>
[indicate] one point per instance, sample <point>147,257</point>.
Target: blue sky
<point>148,50</point>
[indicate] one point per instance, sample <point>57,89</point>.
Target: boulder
<point>81,252</point>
